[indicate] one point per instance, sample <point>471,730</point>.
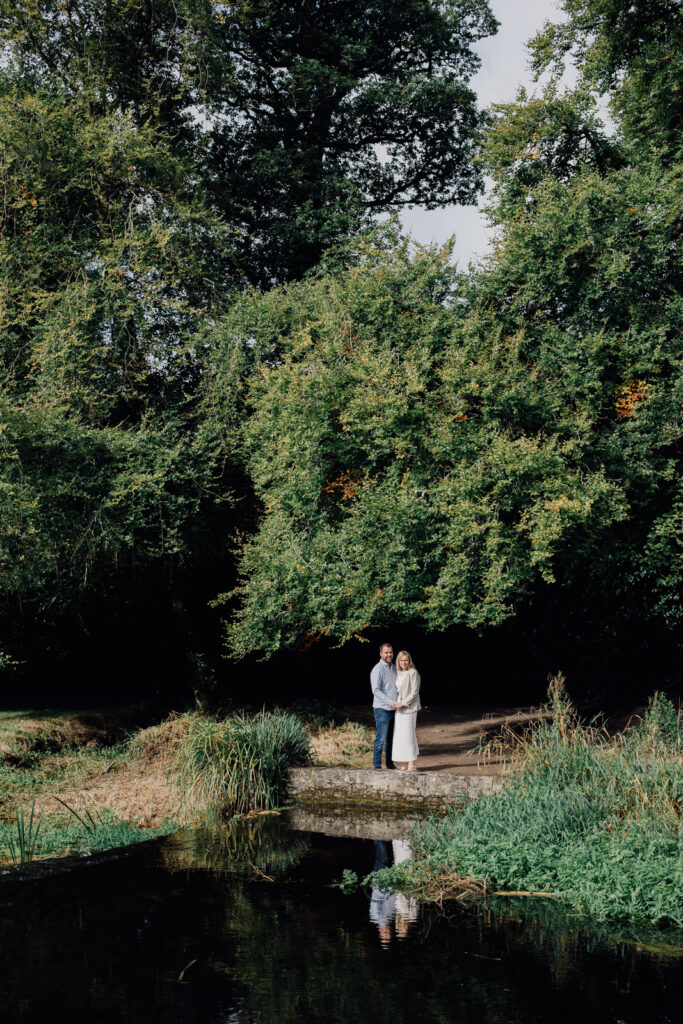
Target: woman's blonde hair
<point>404,654</point>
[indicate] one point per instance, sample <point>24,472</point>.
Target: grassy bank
<point>97,780</point>
<point>82,781</point>
<point>589,819</point>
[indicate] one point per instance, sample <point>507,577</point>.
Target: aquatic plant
<point>239,764</point>
<point>23,845</point>
<point>591,819</point>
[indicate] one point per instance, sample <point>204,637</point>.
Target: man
<point>384,698</point>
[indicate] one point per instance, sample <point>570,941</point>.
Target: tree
<point>442,462</point>
<point>632,52</point>
<point>106,264</point>
<point>331,112</point>
<point>155,157</point>
<point>554,135</point>
<point>109,259</point>
<point>305,119</point>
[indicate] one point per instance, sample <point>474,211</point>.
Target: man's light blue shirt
<point>383,683</point>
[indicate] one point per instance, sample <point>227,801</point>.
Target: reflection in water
<point>255,845</point>
<point>388,908</point>
<point>407,907</point>
<point>270,940</point>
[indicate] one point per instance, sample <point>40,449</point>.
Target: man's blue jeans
<point>384,722</point>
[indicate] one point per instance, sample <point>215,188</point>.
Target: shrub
<point>240,763</point>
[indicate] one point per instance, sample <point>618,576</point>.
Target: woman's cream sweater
<point>408,686</point>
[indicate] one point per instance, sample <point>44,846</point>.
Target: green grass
<point>24,842</point>
<point>43,774</point>
<point>63,834</point>
<point>45,753</point>
<point>593,820</point>
<point>240,763</point>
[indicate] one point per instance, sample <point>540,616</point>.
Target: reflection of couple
<point>395,701</point>
<point>392,907</point>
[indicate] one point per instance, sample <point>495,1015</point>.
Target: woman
<point>405,746</point>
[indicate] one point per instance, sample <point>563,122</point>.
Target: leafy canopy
<point>301,119</point>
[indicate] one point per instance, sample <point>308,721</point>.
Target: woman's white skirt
<point>404,746</point>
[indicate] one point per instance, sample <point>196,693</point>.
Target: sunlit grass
<point>348,745</point>
<point>62,834</point>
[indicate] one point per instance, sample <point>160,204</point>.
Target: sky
<point>504,68</point>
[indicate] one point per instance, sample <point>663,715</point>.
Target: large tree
<point>445,462</point>
<point>326,112</point>
<point>305,118</point>
<point>107,259</point>
<point>632,53</point>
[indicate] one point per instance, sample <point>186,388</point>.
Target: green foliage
<point>594,820</point>
<point>306,97</point>
<point>447,449</point>
<point>240,763</point>
<point>280,108</point>
<point>107,258</point>
<point>422,458</point>
<point>107,262</point>
<point>631,50</point>
<point>384,439</point>
<point>349,882</point>
<point>152,162</point>
<point>554,135</point>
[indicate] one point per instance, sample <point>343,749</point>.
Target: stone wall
<point>378,822</point>
<point>364,786</point>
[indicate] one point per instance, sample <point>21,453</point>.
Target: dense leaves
<point>324,113</point>
<point>632,52</point>
<point>446,450</point>
<point>428,450</point>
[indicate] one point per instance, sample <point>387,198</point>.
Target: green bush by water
<point>240,763</point>
<point>593,820</point>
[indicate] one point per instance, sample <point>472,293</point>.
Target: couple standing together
<point>395,702</point>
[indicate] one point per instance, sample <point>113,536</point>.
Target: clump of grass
<point>591,819</point>
<point>159,741</point>
<point>23,845</point>
<point>240,763</point>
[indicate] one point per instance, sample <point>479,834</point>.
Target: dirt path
<point>446,737</point>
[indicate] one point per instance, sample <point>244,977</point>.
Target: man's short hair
<point>385,644</point>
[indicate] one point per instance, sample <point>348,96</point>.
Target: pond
<point>241,925</point>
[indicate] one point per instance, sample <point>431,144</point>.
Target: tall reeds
<point>240,763</point>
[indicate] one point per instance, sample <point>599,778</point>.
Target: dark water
<point>272,942</point>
